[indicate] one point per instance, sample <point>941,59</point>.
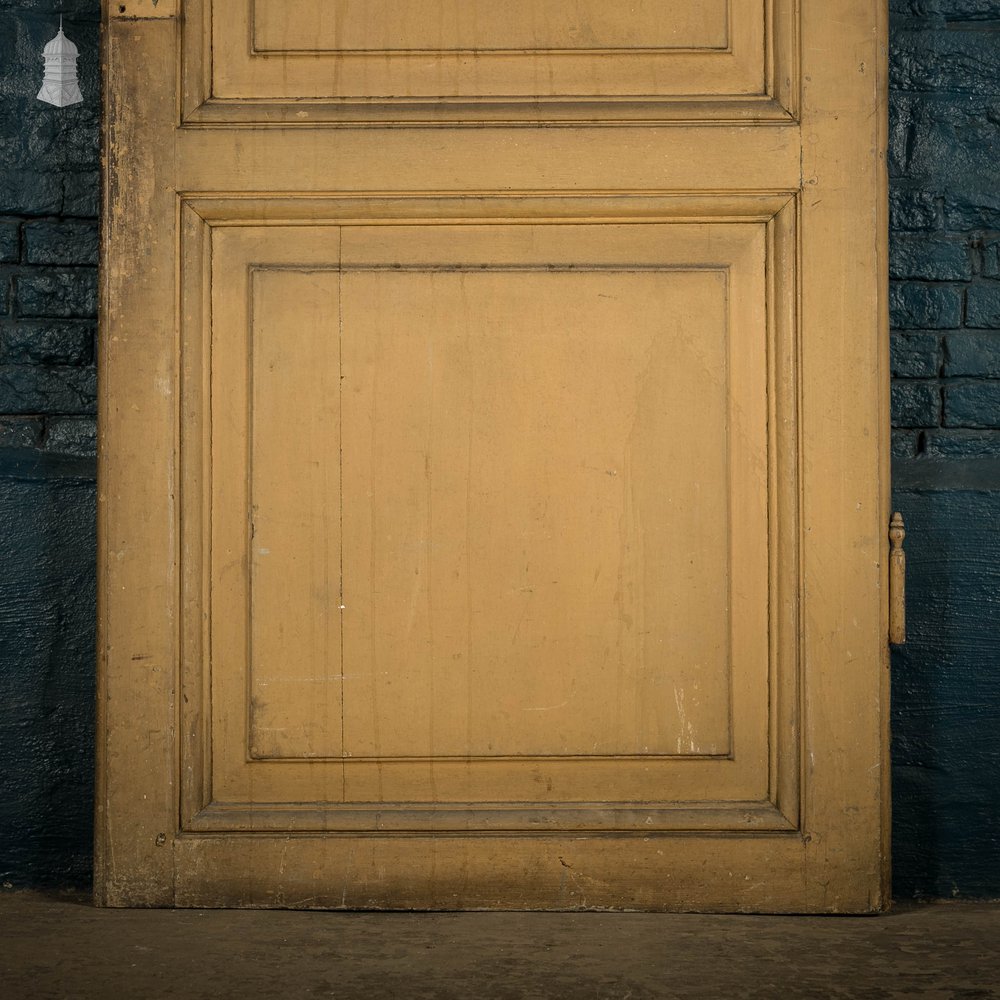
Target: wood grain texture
<point>255,62</point>
<point>137,482</point>
<point>516,51</point>
<point>446,426</point>
<point>845,433</point>
<point>129,10</point>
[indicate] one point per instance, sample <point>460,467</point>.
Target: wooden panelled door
<point>493,455</point>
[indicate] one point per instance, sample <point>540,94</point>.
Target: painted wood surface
<point>512,530</point>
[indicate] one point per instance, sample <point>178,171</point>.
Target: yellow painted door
<point>493,465</point>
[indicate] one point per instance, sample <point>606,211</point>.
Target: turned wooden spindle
<point>897,581</point>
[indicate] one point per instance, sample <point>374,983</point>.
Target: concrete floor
<point>59,948</point>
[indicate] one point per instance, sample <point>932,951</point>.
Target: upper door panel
<point>348,61</point>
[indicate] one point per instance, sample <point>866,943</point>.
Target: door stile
<point>138,557</point>
<point>845,438</point>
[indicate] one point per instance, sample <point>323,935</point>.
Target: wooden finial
<point>897,581</point>
<point>897,531</point>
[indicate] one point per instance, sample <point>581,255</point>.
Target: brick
<point>71,435</point>
<point>916,355</point>
<point>33,390</point>
<point>26,192</point>
<point>983,306</point>
<point>991,259</point>
<point>973,354</point>
<point>77,133</point>
<point>900,129</point>
<point>971,208</point>
<point>949,10</point>
<point>39,140</point>
<point>23,432</point>
<point>927,307</point>
<point>956,60</point>
<point>60,243</point>
<point>916,404</point>
<point>82,194</point>
<point>962,444</point>
<point>42,343</point>
<point>58,294</point>
<point>972,404</point>
<point>947,142</point>
<point>10,243</point>
<point>929,259</point>
<point>912,210</point>
<point>904,444</point>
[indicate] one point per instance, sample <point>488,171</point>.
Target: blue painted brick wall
<point>945,300</point>
<point>945,253</point>
<point>49,189</point>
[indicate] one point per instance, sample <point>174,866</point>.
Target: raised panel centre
<point>491,492</point>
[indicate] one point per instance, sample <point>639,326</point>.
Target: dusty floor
<point>59,947</point>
